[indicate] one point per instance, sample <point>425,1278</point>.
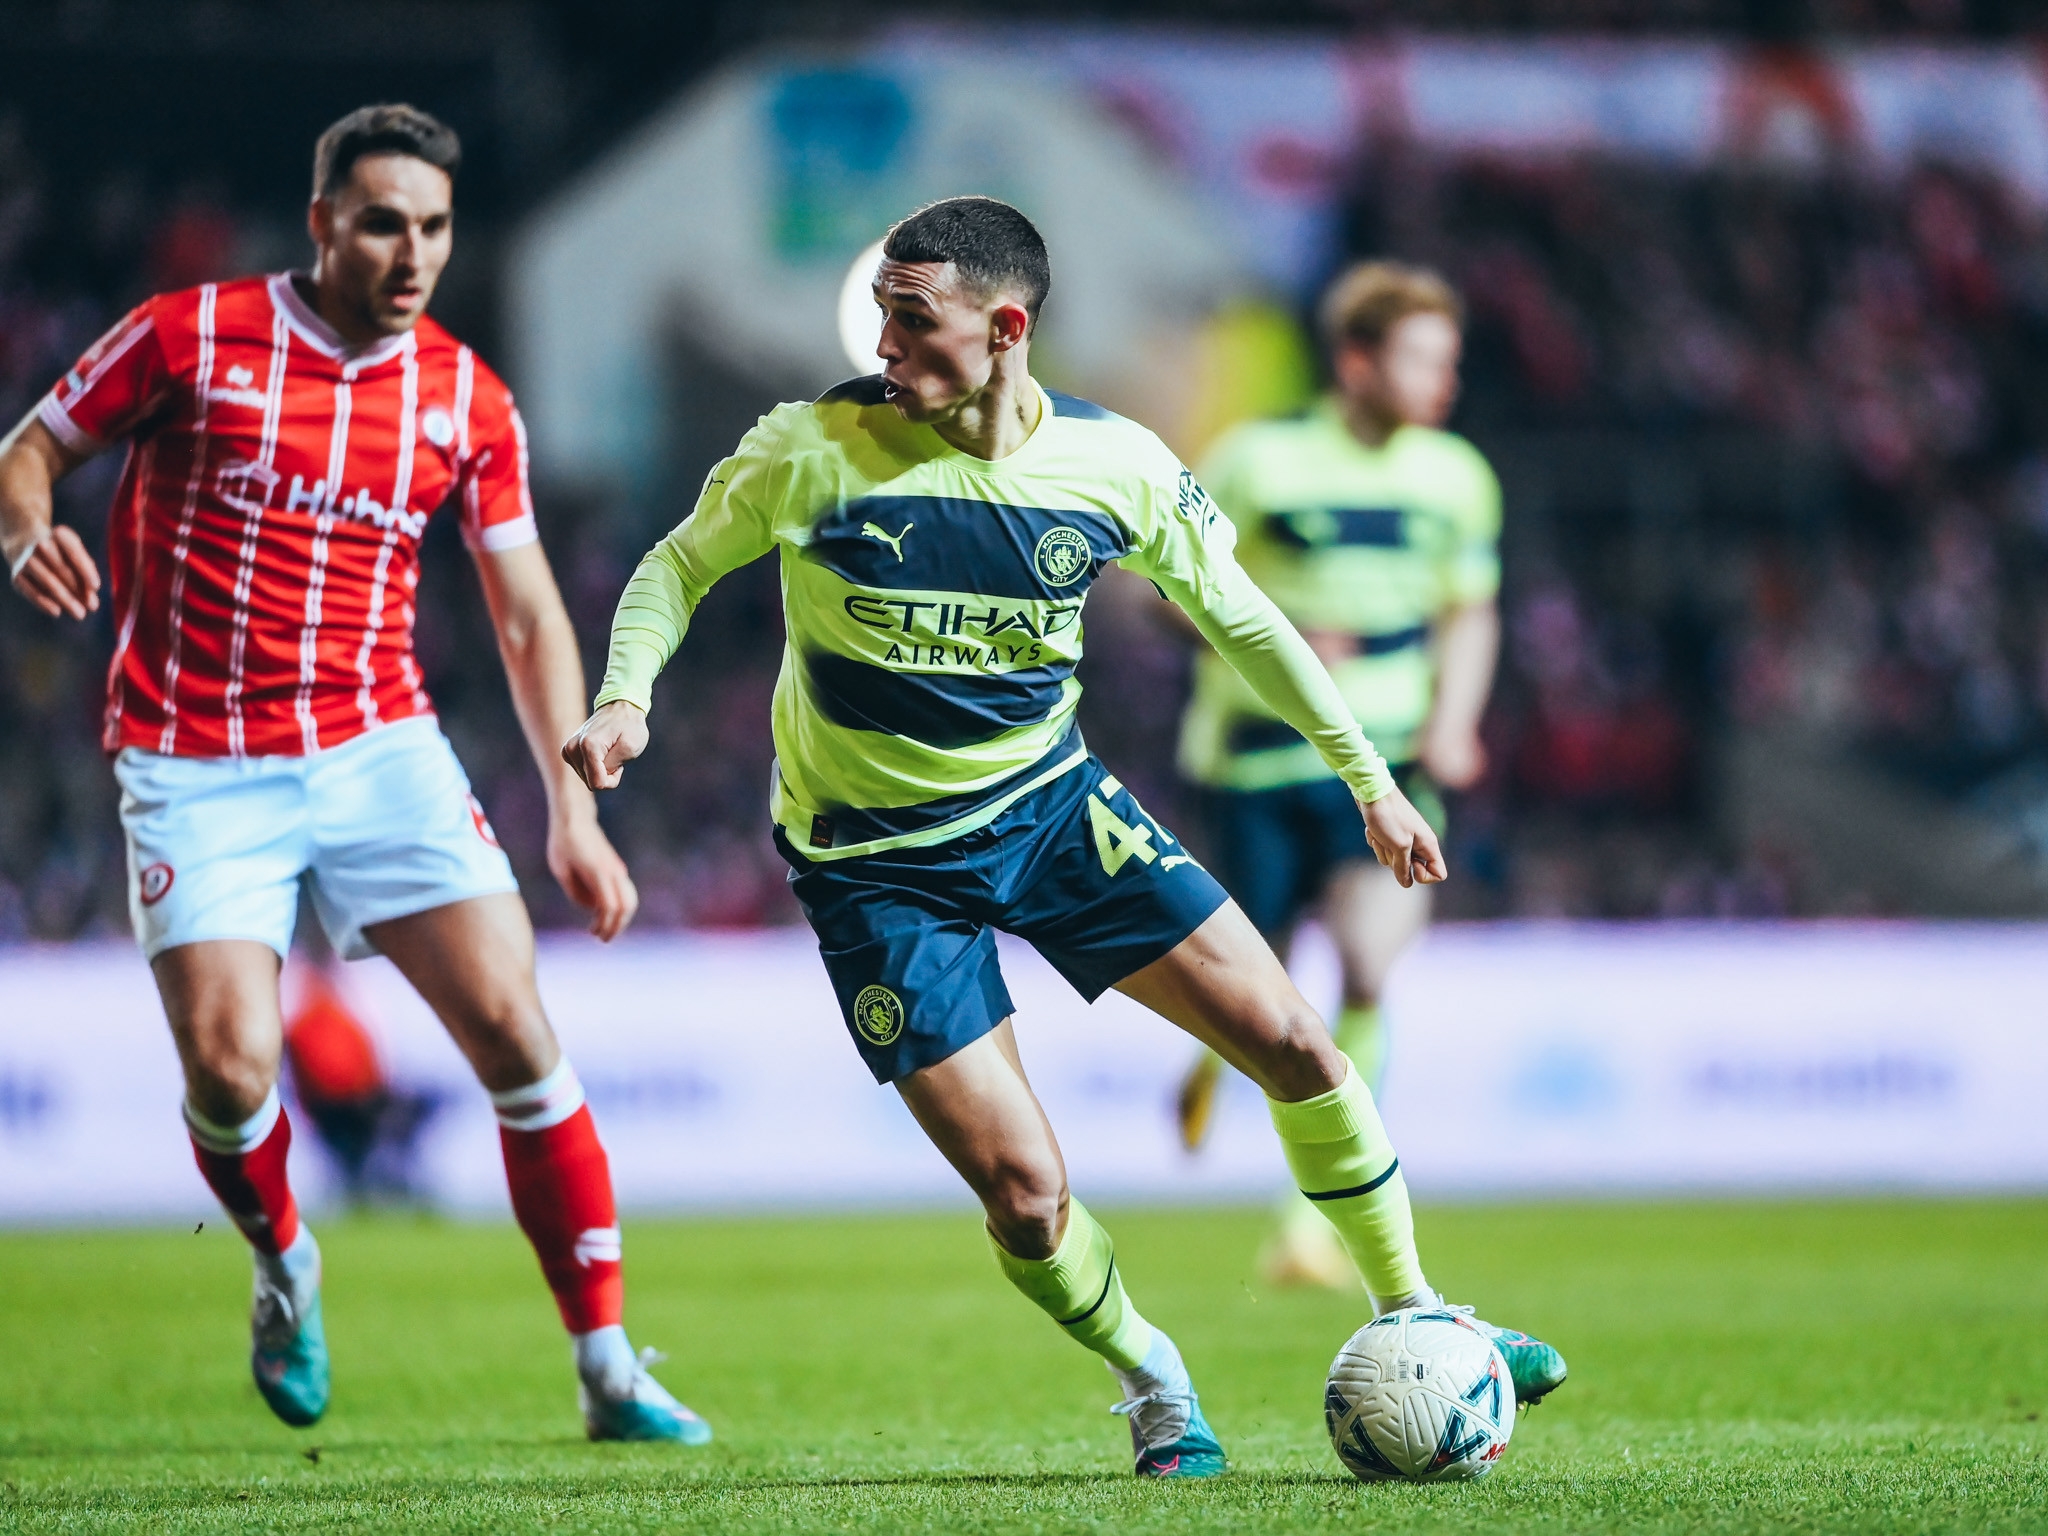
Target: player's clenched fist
<point>1402,840</point>
<point>606,742</point>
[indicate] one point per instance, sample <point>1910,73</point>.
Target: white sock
<point>605,1360</point>
<point>286,1284</point>
<point>1382,1305</point>
<point>296,1271</point>
<point>1163,1370</point>
<point>539,1105</point>
<point>250,1133</point>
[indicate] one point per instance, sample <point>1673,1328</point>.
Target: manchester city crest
<point>1064,556</point>
<point>878,1014</point>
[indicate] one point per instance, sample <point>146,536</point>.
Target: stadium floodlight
<point>860,318</point>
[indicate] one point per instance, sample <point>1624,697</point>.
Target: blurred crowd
<point>1799,416</point>
<point>1774,469</point>
<point>71,259</point>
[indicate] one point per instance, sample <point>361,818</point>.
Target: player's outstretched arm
<point>728,527</point>
<point>546,676</point>
<point>48,563</point>
<point>1196,569</point>
<point>612,737</point>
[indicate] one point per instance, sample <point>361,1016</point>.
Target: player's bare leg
<point>221,999</point>
<point>473,963</point>
<point>978,1108</point>
<point>1372,919</point>
<point>1195,1104</point>
<point>1224,985</point>
<point>220,996</point>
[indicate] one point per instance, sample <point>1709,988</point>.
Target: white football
<point>1420,1396</point>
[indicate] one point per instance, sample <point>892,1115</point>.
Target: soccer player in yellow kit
<point>1377,534</point>
<point>938,527</point>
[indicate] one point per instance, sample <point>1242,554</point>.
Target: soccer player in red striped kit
<point>287,439</point>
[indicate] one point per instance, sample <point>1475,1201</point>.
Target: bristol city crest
<point>155,883</point>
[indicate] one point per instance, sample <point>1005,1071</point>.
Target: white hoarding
<point>1531,1059</point>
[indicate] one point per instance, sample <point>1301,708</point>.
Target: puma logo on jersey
<point>598,1245</point>
<point>894,541</point>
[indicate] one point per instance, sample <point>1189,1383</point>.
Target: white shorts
<point>384,824</point>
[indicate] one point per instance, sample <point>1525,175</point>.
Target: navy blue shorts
<point>1276,849</point>
<point>1075,867</point>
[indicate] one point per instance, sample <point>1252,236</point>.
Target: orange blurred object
<point>332,1056</point>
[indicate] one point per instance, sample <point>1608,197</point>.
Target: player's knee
<point>1300,1059</point>
<point>1024,1213</point>
<point>225,1079</point>
<point>502,1017</point>
<point>506,1037</point>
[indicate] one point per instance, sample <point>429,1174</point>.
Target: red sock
<point>252,1183</point>
<point>562,1194</point>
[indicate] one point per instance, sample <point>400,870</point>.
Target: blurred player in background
<point>368,1124</point>
<point>287,438</point>
<point>939,526</point>
<point>1377,534</point>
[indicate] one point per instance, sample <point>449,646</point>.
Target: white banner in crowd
<point>1170,170</point>
<point>1269,128</point>
<point>1527,1059</point>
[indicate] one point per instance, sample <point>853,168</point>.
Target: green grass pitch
<point>1855,1365</point>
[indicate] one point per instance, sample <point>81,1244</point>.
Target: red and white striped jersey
<point>263,548</point>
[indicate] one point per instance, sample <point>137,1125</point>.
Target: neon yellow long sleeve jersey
<point>1376,543</point>
<point>933,607</point>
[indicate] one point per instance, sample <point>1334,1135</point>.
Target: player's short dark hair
<point>991,244</point>
<point>388,128</point>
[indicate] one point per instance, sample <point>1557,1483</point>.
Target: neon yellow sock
<point>1361,1036</point>
<point>1300,1221</point>
<point>1342,1161</point>
<point>1079,1288</point>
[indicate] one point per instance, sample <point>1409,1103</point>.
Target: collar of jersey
<point>948,454</point>
<point>322,337</point>
<point>1328,412</point>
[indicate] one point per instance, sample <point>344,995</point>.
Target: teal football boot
<point>288,1341</point>
<point>1169,1435</point>
<point>646,1411</point>
<point>1193,1452</point>
<point>1537,1368</point>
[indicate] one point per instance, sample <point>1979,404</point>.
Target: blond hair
<point>1365,304</point>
